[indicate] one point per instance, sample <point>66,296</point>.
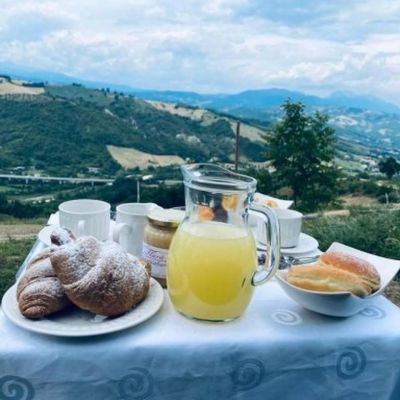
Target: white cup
<point>131,220</point>
<point>86,217</point>
<point>290,222</point>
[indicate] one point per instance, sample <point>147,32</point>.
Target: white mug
<point>290,222</point>
<point>86,217</point>
<point>131,220</point>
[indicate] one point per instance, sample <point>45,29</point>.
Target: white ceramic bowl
<point>340,304</point>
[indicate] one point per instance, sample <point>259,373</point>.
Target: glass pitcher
<point>212,265</point>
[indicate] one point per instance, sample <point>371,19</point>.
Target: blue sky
<point>211,45</point>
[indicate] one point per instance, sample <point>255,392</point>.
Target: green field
<point>12,254</point>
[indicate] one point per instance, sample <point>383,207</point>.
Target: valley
<point>85,133</point>
<point>101,132</point>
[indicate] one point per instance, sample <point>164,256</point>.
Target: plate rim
<point>57,225</point>
<point>29,325</point>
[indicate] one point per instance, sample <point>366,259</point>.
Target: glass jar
<point>158,234</point>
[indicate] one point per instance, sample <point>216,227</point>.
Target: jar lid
<point>169,218</point>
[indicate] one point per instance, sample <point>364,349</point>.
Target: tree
<point>265,180</point>
<point>389,167</point>
<point>302,150</point>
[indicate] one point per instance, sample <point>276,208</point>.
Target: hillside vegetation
<point>207,117</point>
<point>67,129</point>
<point>359,121</point>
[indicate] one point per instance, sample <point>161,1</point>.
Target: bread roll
<point>336,272</point>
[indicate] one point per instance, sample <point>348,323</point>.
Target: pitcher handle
<point>267,271</point>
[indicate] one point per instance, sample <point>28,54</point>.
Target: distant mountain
<point>246,100</point>
<point>251,100</point>
<point>343,99</point>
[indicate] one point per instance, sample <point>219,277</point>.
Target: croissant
<point>39,291</point>
<point>100,277</point>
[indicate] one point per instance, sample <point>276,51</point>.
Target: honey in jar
<point>158,235</point>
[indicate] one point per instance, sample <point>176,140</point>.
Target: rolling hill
<point>68,129</point>
<point>360,120</point>
<point>71,129</point>
<point>363,120</point>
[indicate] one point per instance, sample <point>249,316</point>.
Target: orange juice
<point>209,270</point>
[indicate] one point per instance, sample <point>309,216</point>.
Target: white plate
<point>79,323</point>
<point>44,234</point>
<point>261,198</point>
<point>340,304</point>
<point>307,244</point>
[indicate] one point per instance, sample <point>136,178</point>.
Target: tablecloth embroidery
<point>16,388</point>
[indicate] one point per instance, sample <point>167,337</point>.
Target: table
<point>276,350</point>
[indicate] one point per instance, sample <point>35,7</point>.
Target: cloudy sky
<point>316,46</point>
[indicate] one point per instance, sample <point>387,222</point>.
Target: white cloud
<point>211,45</point>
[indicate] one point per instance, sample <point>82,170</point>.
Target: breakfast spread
<point>96,276</point>
<point>336,272</point>
<point>207,255</point>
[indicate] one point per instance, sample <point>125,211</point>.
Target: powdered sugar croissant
<point>39,291</point>
<point>100,277</point>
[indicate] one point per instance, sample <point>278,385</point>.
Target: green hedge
<point>373,231</point>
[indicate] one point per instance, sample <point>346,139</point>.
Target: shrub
<point>375,232</point>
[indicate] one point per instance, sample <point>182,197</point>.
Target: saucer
<point>44,234</point>
<point>307,244</point>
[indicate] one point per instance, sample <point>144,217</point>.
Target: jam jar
<point>158,233</point>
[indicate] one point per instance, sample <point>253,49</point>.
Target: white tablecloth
<point>276,350</point>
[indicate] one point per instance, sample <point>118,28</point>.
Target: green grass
<point>373,231</point>
<point>5,189</point>
<point>10,220</point>
<point>12,255</point>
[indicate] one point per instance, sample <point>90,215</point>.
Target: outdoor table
<point>276,350</point>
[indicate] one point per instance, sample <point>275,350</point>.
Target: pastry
<point>100,277</point>
<point>266,202</point>
<point>205,213</point>
<point>230,202</point>
<point>336,272</point>
<point>39,291</point>
<point>61,236</point>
